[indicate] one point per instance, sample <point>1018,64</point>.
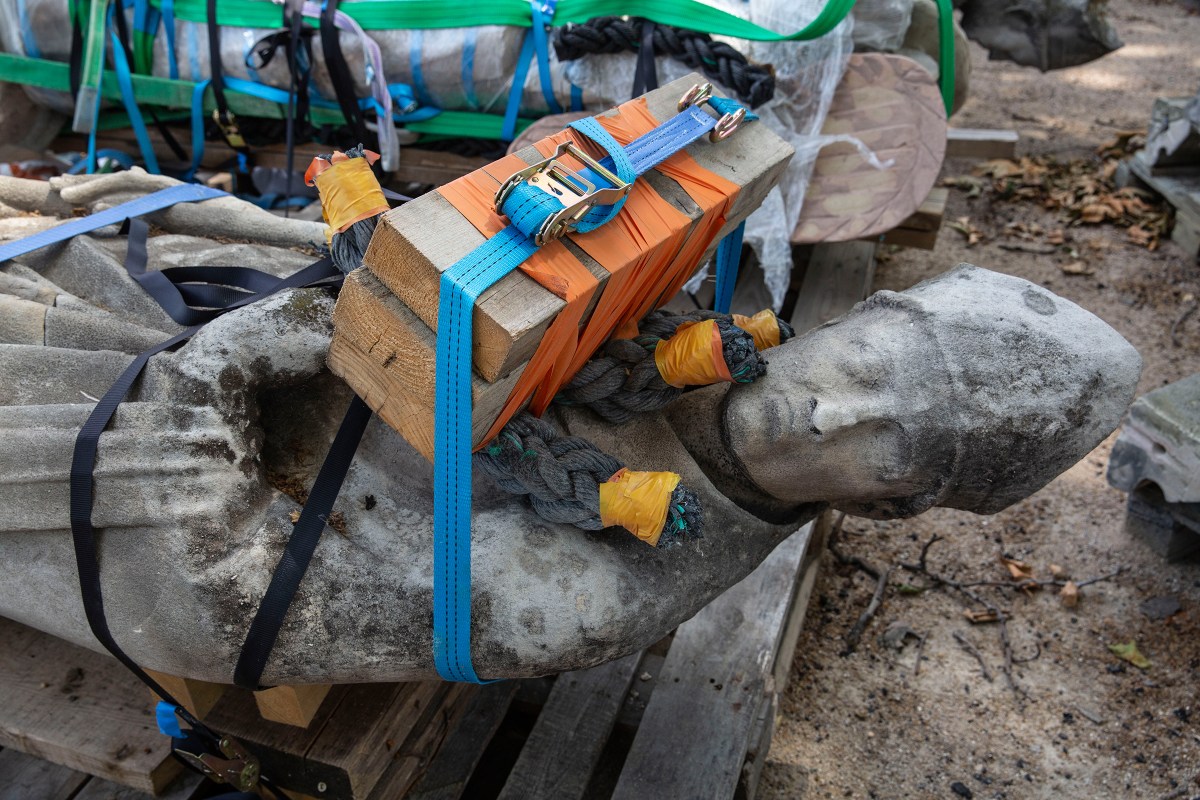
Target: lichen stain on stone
<point>532,620</point>
<point>309,306</point>
<point>1038,302</point>
<point>212,448</point>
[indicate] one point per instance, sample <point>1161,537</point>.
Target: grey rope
<point>624,380</point>
<point>561,475</point>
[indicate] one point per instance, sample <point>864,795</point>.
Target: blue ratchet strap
<point>28,42</point>
<point>125,81</point>
<point>543,15</point>
<point>123,159</point>
<point>576,98</point>
<point>468,69</point>
<point>198,121</point>
<point>460,287</point>
<point>416,41</point>
<point>163,198</point>
<point>729,255</point>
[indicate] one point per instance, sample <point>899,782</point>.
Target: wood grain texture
<point>389,357</point>
<point>451,768</point>
<point>24,777</point>
<point>291,705</point>
<point>197,697</point>
<point>80,709</point>
<point>893,106</point>
<point>838,276</point>
<point>412,759</point>
<point>565,744</point>
<point>700,721</point>
<point>350,743</point>
<point>981,143</point>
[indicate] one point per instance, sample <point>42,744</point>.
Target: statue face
<point>845,422</point>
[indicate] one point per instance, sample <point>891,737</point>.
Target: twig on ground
<point>970,648</point>
<point>1182,318</point>
<point>1035,583</point>
<point>920,652</point>
<point>855,634</point>
<point>842,558</point>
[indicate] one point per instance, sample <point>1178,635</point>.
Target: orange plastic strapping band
<point>638,502</point>
<point>648,251</point>
<point>693,356</point>
<point>763,326</point>
<point>349,193</point>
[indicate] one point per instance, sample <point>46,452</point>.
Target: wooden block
<point>197,697</point>
<point>838,276</point>
<point>981,143</point>
<point>700,722</point>
<point>390,357</point>
<point>418,752</point>
<point>80,709</point>
<point>292,705</point>
<point>415,243</point>
<point>565,744</point>
<point>349,745</point>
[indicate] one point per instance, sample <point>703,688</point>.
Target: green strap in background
<point>387,14</point>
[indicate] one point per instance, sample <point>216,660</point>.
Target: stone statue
<point>971,390</point>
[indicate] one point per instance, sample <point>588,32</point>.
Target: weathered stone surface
<point>971,390</point>
<point>1160,443</point>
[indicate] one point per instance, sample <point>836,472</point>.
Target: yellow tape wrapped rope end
<point>350,193</point>
<point>694,356</point>
<point>763,326</point>
<point>638,502</point>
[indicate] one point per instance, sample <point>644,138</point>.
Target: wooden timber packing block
<point>418,241</point>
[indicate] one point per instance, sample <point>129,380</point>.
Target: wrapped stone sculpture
<point>971,390</point>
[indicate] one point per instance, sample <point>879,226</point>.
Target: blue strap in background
<point>576,98</point>
<point>168,19</point>
<point>468,68</point>
<point>198,121</point>
<point>415,43</point>
<point>527,209</point>
<point>508,131</point>
<point>146,204</point>
<point>543,15</point>
<point>729,257</point>
<point>124,159</point>
<point>125,81</point>
<point>27,39</point>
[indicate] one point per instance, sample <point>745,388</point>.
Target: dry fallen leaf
<point>973,186</point>
<point>295,516</point>
<point>1069,594</point>
<point>1019,570</point>
<point>1129,652</point>
<point>967,228</point>
<point>1057,572</point>
<point>979,617</point>
<point>1077,268</point>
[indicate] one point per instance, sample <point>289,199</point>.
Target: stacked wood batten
<point>385,321</point>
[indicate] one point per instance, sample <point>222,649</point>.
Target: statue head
<point>971,390</point>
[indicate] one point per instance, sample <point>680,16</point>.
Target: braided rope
<point>753,83</point>
<point>561,475</point>
<point>624,380</point>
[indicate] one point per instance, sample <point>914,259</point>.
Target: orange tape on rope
<point>638,502</point>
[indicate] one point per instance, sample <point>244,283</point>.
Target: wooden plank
<point>24,777</point>
<point>838,276</point>
<point>188,784</point>
<point>1180,187</point>
<point>390,358</point>
<point>981,143</point>
<point>197,697</point>
<point>415,756</point>
<point>80,709</point>
<point>760,745</point>
<point>697,729</point>
<point>292,705</point>
<point>565,744</point>
<point>451,768</point>
<point>415,243</point>
<point>929,216</point>
<point>347,747</point>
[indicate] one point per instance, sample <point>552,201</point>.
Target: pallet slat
<point>697,729</point>
<point>838,276</point>
<point>23,777</point>
<point>565,744</point>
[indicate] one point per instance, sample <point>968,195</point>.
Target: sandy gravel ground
<point>1080,723</point>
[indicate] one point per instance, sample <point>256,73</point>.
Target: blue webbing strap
<point>460,286</point>
<point>28,41</point>
<point>198,121</point>
<point>163,198</point>
<point>508,131</point>
<point>168,19</point>
<point>415,43</point>
<point>468,68</point>
<point>543,15</point>
<point>576,98</point>
<point>125,81</point>
<point>729,255</point>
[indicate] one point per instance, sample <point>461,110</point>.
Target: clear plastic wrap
<point>880,25</point>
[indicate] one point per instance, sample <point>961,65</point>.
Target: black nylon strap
<point>339,72</point>
<point>215,67</point>
<point>268,620</point>
<point>645,75</point>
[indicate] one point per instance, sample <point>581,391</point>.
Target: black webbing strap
<point>645,75</point>
<point>215,67</point>
<point>268,620</point>
<point>168,137</point>
<point>240,287</point>
<point>339,72</point>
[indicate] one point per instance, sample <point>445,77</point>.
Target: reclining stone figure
<point>971,390</point>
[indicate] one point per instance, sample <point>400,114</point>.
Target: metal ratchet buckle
<point>229,129</point>
<point>577,194</point>
<point>239,768</point>
<point>702,93</point>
